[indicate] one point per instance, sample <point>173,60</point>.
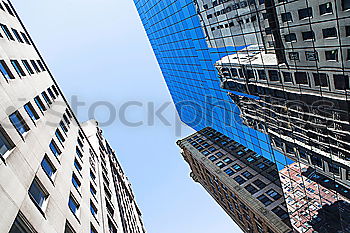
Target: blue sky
<point>98,51</point>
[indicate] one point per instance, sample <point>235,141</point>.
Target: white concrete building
<point>55,175</point>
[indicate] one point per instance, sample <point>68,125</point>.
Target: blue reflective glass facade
<point>175,33</point>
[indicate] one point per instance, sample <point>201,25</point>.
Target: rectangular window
<point>38,194</point>
<point>63,127</point>
<point>301,78</point>
<point>287,77</point>
<point>77,165</point>
<point>51,93</point>
<point>93,209</point>
<point>41,65</point>
<point>292,37</point>
<point>286,17</point>
<point>69,228</point>
<point>345,5</point>
<point>259,184</point>
<point>348,55</point>
<point>92,229</point>
<point>27,66</point>
<point>54,148</point>
<point>76,182</point>
<point>274,75</point>
<point>19,123</point>
<point>251,189</point>
<point>229,171</point>
<point>55,90</point>
<point>73,205</point>
<point>18,68</point>
<point>320,79</point>
<point>331,55</point>
<point>305,13</point>
<point>46,98</point>
<point>247,175</point>
<point>15,32</point>
<point>92,175</point>
<point>78,152</point>
<point>309,35</point>
<point>48,167</point>
<point>59,136</point>
<point>5,71</point>
<point>31,111</point>
<point>40,104</point>
<point>35,66</point>
<point>273,194</point>
<point>341,82</point>
<point>347,30</point>
<point>262,74</point>
<point>7,32</point>
<point>326,8</point>
<point>21,225</point>
<point>93,190</point>
<point>8,8</point>
<point>239,180</point>
<point>25,38</point>
<point>265,200</point>
<point>329,33</point>
<point>5,142</point>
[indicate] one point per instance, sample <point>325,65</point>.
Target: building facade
<point>245,184</point>
<point>52,169</point>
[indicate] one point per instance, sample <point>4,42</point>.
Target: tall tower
<point>56,176</point>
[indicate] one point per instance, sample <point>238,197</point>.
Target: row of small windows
<point>8,8</point>
<point>341,82</point>
<point>327,33</point>
<point>30,66</point>
<point>20,36</point>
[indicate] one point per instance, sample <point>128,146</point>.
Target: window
<point>280,213</point>
<point>38,194</point>
<point>273,194</point>
<point>331,55</point>
<point>237,167</point>
<point>8,9</point>
<point>7,32</point>
<point>309,35</point>
<point>220,164</point>
<point>320,79</point>
<point>63,127</point>
<point>334,168</point>
<point>76,182</point>
<point>51,93</point>
<point>234,71</point>
<point>228,160</point>
<point>326,8</point>
<point>93,209</point>
<point>25,38</point>
<point>239,180</point>
<point>5,142</point>
<point>247,175</point>
<point>5,71</point>
<point>92,229</point>
<point>345,4</point>
<point>212,158</point>
<point>27,66</point>
<point>294,56</point>
<point>287,17</point>
<point>78,152</point>
<point>18,68</point>
<point>48,167</point>
<point>262,74</point>
<point>18,122</point>
<point>229,171</point>
<point>46,98</point>
<point>347,31</point>
<point>92,175</point>
<point>341,82</point>
<point>77,165</point>
<point>93,190</point>
<point>305,13</point>
<point>21,225</point>
<point>41,65</point>
<point>59,136</point>
<point>69,228</point>
<point>73,205</point>
<point>250,159</point>
<point>292,37</point>
<point>265,200</point>
<point>251,189</point>
<point>301,78</point>
<point>274,75</point>
<point>15,32</point>
<point>35,66</point>
<point>55,90</point>
<point>40,104</point>
<point>259,184</point>
<point>54,149</point>
<point>31,112</point>
<point>287,77</point>
<point>329,33</point>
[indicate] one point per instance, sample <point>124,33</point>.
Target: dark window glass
<point>320,79</point>
<point>5,142</point>
<point>73,205</point>
<point>31,111</point>
<point>21,225</point>
<point>229,171</point>
<point>7,32</point>
<point>274,75</point>
<point>265,200</point>
<point>251,189</point>
<point>309,35</point>
<point>5,71</point>
<point>54,149</point>
<point>40,104</point>
<point>59,136</point>
<point>273,194</point>
<point>15,32</point>
<point>27,66</point>
<point>8,8</point>
<point>345,4</point>
<point>75,181</point>
<point>287,17</point>
<point>51,93</point>
<point>347,30</point>
<point>341,82</point>
<point>259,184</point>
<point>287,77</point>
<point>46,98</point>
<point>292,37</point>
<point>93,209</point>
<point>262,74</point>
<point>301,78</point>
<point>77,165</point>
<point>48,167</point>
<point>37,193</point>
<point>331,55</point>
<point>305,13</point>
<point>25,38</point>
<point>19,123</point>
<point>326,8</point>
<point>329,33</point>
<point>18,68</point>
<point>41,65</point>
<point>35,66</point>
<point>239,180</point>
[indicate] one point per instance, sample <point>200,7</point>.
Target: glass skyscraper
<point>272,75</point>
